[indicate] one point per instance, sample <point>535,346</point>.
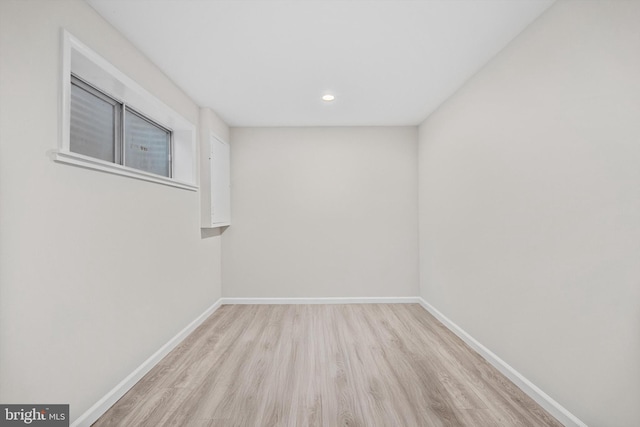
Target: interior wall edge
<point>101,406</point>
<point>529,388</point>
<point>323,300</point>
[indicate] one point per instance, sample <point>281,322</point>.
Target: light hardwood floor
<point>375,365</point>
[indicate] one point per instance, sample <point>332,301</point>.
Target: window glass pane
<point>147,146</point>
<point>92,125</point>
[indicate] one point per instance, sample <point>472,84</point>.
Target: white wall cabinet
<point>217,206</point>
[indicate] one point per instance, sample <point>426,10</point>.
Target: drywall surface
<point>97,271</point>
<point>322,212</point>
<point>530,208</point>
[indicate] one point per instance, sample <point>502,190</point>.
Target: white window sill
<point>76,159</point>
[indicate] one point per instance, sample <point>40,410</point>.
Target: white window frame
<point>82,61</point>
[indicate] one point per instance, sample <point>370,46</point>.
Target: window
<point>147,145</point>
<point>110,123</point>
<point>106,129</point>
<point>95,124</point>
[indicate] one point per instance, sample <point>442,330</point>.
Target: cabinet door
<point>220,182</point>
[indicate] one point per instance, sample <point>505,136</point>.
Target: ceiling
<point>268,62</point>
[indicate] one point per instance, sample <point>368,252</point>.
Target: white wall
<point>97,271</point>
<point>322,212</point>
<point>530,208</point>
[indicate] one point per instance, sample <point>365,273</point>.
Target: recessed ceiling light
<point>328,97</point>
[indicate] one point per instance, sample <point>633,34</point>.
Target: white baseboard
<point>324,300</point>
<point>543,399</point>
<point>97,410</point>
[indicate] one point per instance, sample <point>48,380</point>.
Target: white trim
<point>543,399</point>
<point>71,158</point>
<point>101,406</point>
<point>217,225</point>
<point>324,300</point>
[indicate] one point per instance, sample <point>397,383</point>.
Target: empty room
<point>320,213</point>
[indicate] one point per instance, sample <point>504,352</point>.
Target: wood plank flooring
<point>350,365</point>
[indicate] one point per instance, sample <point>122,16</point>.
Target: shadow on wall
<point>206,233</point>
